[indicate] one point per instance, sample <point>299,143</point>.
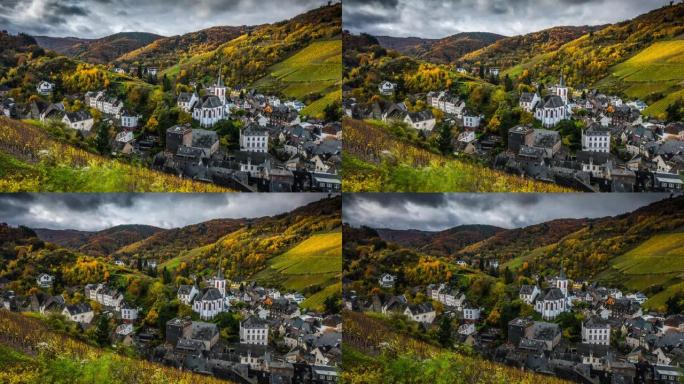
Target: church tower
<point>220,88</point>
<point>220,280</point>
<point>562,90</point>
<point>562,281</point>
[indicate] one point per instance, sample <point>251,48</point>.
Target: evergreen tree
<point>102,331</point>
<point>444,139</point>
<point>508,83</point>
<point>166,276</point>
<point>102,139</point>
<point>166,83</point>
<point>444,332</point>
<point>508,275</point>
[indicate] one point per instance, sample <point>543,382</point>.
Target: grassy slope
<point>67,360</point>
<point>419,361</point>
<point>316,68</point>
<point>417,169</point>
<point>657,69</point>
<point>316,261</point>
<point>32,161</point>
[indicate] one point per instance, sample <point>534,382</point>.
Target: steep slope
<point>377,161</point>
<point>510,51</point>
<point>245,59</point>
<point>98,51</point>
<point>508,244</point>
<point>31,160</point>
<point>15,48</point>
<point>588,59</point>
<point>655,75</point>
<point>313,74</point>
<point>445,50</point>
<point>164,245</point>
<point>166,51</point>
<point>100,243</point>
<point>440,243</point>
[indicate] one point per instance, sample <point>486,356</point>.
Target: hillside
<point>30,352</point>
<point>508,244</point>
<point>655,74</point>
<point>376,161</point>
<point>100,243</point>
<point>166,51</point>
<point>314,262</point>
<point>165,244</point>
<point>588,59</point>
<point>30,160</point>
<point>443,242</point>
<point>443,51</point>
<point>98,51</point>
<point>16,48</point>
<point>510,51</point>
<point>313,74</point>
<point>245,59</point>
<point>376,352</point>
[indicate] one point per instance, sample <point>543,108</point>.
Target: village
<point>279,149</point>
<point>617,342</point>
<point>614,147</point>
<point>276,341</point>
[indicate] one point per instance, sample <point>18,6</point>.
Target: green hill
<point>313,72</point>
<point>314,263</point>
<point>592,58</point>
<point>655,74</point>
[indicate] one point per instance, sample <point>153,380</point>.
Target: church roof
<point>212,294</point>
<point>553,101</point>
<point>554,294</point>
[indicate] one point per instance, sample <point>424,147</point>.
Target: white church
<point>211,108</point>
<point>212,300</point>
<point>551,302</point>
<point>552,108</point>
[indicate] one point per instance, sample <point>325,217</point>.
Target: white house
<point>254,138</point>
<point>45,87</point>
<point>129,313</point>
<point>466,136</point>
<point>596,139</point>
<point>528,293</point>
<point>44,280</point>
<point>254,330</point>
<point>423,120</point>
<point>470,119</point>
<point>80,313</point>
<point>80,120</point>
<point>595,331</point>
<point>105,295</point>
<point>387,280</point>
<point>528,101</point>
<point>387,87</point>
<point>471,312</point>
<point>421,313</point>
<point>187,100</point>
<point>129,120</point>
<point>186,293</point>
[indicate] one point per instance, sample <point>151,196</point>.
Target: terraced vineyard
<point>315,262</point>
<point>655,71</point>
<point>316,69</point>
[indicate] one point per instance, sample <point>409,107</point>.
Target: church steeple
<point>219,280</point>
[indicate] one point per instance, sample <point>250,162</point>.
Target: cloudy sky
<point>98,18</point>
<point>441,18</point>
<point>84,211</point>
<point>435,212</point>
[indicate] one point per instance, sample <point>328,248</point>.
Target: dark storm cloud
<point>440,18</point>
<point>98,18</point>
<point>509,210</point>
<point>91,211</point>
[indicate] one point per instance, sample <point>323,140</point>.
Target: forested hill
<point>98,51</point>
